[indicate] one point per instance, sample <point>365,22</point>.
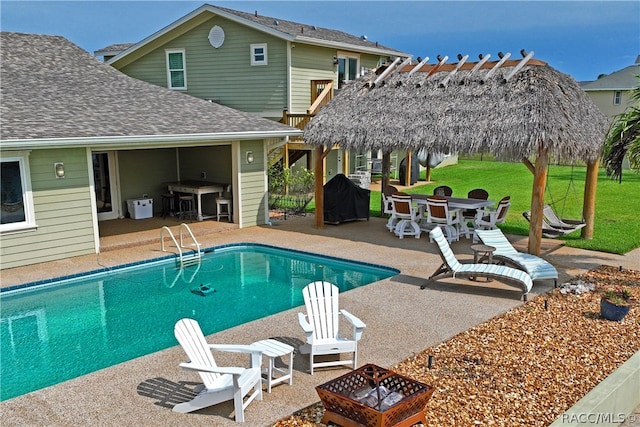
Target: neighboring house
<point>78,138</point>
<point>254,63</point>
<point>612,92</point>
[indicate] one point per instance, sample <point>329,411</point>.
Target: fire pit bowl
<point>372,396</point>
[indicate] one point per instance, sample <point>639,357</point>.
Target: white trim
<point>236,182</point>
<point>352,47</point>
<point>182,52</point>
<point>144,141</point>
<point>265,171</point>
<point>252,49</point>
<point>94,206</point>
<point>617,97</point>
<point>27,195</point>
<point>289,83</point>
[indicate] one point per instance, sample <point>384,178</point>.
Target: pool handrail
<point>197,251</point>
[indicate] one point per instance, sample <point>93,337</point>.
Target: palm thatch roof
<point>454,108</point>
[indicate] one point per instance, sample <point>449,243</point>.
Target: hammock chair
<point>553,225</point>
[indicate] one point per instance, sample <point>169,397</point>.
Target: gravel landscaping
<point>527,366</point>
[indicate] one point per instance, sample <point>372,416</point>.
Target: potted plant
<point>615,304</point>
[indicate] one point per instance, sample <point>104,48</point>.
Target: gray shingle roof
<point>51,88</point>
<point>624,79</point>
<point>113,49</point>
<point>296,29</point>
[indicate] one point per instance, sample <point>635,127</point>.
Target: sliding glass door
<point>104,184</point>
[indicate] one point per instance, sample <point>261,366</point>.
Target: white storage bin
<point>140,208</point>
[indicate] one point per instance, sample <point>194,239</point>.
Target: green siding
<point>223,74</point>
<point>253,185</point>
<point>62,211</point>
<point>309,63</point>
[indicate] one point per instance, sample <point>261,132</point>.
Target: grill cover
<point>345,201</point>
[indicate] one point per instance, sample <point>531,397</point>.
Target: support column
<point>537,203</point>
<point>386,175</point>
<point>318,173</point>
<point>589,204</point>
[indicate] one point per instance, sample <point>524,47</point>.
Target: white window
<point>348,68</point>
<point>16,207</point>
<point>617,97</point>
<point>176,69</point>
<point>259,54</point>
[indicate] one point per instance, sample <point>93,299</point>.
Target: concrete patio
<point>401,320</point>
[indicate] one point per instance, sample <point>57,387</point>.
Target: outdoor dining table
<point>197,188</point>
<point>456,204</point>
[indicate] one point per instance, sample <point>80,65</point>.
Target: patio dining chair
<point>489,219</point>
<point>442,190</point>
<point>439,213</point>
<point>476,193</point>
<point>406,215</point>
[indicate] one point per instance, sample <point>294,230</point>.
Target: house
<point>78,138</point>
<point>612,92</point>
<point>255,63</point>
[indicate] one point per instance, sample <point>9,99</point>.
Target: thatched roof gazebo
<point>518,110</point>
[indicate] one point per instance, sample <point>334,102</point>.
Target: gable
<point>282,29</point>
<point>224,74</point>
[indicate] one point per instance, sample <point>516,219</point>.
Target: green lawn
<point>617,226</point>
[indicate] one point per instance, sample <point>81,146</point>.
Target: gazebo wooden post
<point>318,173</point>
<point>537,202</point>
<point>589,204</point>
<point>386,174</point>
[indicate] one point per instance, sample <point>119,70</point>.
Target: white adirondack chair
<point>321,323</point>
<point>220,383</point>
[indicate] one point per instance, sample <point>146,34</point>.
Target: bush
<point>290,191</point>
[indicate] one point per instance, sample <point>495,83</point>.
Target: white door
<point>104,180</point>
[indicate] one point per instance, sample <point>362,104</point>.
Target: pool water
<point>57,331</point>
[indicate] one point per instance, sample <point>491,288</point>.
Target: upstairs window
<point>347,69</point>
<point>176,69</point>
<point>617,97</point>
<point>16,207</point>
<point>259,54</point>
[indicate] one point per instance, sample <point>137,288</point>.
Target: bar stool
<point>186,206</point>
<point>223,208</point>
<point>168,204</point>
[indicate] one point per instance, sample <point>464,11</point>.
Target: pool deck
<point>401,320</point>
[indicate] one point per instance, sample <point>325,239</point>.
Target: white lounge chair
<point>321,323</point>
<point>220,383</point>
<point>451,267</point>
<point>536,267</point>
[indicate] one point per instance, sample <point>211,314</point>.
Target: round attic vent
<point>216,36</point>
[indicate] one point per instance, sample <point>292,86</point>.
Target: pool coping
<point>209,249</point>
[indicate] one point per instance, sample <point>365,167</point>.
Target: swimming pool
<point>51,332</point>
